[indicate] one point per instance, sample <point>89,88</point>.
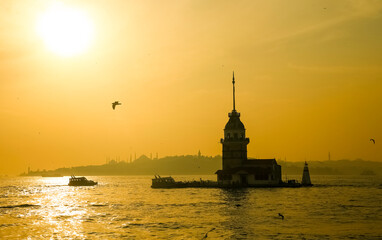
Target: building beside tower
<point>238,169</point>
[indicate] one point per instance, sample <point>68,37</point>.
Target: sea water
<point>336,207</point>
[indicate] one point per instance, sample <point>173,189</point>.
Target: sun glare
<point>65,31</point>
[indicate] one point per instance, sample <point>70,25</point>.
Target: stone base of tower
<point>254,172</point>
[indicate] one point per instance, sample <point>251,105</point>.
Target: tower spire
<point>233,83</point>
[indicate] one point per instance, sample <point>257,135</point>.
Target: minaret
<point>234,141</point>
<point>306,176</point>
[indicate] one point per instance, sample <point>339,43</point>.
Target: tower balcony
<point>234,114</point>
<point>224,140</point>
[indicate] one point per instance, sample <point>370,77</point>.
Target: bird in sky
<point>114,104</point>
<point>282,216</point>
<point>372,140</point>
<point>206,235</point>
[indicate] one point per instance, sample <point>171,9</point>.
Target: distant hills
<point>204,165</point>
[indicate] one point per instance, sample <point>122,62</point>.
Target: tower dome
<point>234,122</point>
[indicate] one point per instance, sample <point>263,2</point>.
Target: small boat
<point>81,181</point>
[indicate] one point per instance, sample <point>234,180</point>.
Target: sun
<point>65,31</point>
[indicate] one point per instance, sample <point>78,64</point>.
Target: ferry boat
<point>169,182</point>
<point>81,181</point>
<point>163,182</point>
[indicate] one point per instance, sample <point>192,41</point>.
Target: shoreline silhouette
<point>206,165</point>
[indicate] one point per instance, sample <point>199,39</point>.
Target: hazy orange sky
<point>308,74</point>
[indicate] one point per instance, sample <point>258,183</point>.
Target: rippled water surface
<point>337,207</point>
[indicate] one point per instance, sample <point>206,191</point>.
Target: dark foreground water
<point>337,207</point>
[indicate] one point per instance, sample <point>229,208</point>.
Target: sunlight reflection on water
<point>337,207</point>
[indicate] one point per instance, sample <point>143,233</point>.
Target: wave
<point>351,206</point>
<point>344,185</point>
<point>20,206</point>
<point>8,225</point>
<point>99,205</point>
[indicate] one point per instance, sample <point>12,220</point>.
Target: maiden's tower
<point>238,169</point>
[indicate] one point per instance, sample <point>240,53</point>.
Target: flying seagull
<point>372,140</point>
<point>115,104</point>
<point>282,216</point>
<point>206,235</point>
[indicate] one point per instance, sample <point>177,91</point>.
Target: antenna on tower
<point>233,83</point>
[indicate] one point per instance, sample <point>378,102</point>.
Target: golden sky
<point>308,80</point>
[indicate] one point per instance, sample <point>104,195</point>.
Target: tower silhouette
<point>234,141</point>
